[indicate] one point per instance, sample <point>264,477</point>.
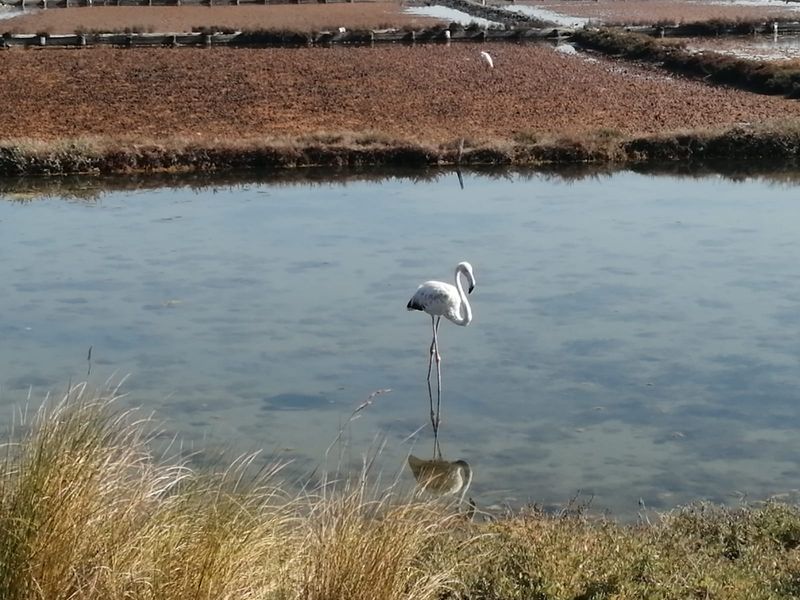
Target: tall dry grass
<point>88,510</point>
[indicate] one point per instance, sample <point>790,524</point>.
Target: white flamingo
<point>440,299</point>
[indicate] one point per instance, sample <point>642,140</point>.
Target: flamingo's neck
<point>465,311</point>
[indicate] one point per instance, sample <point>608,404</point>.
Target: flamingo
<point>440,299</point>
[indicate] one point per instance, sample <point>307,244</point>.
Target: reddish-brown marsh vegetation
<point>426,93</point>
<point>303,17</point>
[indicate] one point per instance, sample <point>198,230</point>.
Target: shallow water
<point>11,12</point>
<point>634,336</point>
<point>762,47</point>
<point>450,15</point>
<point>548,15</point>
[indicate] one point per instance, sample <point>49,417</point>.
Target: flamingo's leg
<point>437,448</point>
<point>438,373</point>
<point>430,367</point>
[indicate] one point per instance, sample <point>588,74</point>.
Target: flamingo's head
<point>466,268</point>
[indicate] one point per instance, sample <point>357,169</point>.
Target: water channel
<point>635,336</point>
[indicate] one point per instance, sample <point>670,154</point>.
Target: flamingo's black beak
<point>472,287</point>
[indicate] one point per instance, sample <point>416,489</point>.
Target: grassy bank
<point>752,75</point>
<point>99,156</point>
<point>88,511</point>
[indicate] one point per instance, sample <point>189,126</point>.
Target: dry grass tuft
<point>359,549</point>
<point>88,511</point>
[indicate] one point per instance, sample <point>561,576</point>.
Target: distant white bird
<point>566,49</point>
<point>487,58</point>
<point>440,299</point>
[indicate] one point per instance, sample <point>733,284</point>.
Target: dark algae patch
<point>293,401</point>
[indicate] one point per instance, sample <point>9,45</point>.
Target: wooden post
<point>371,38</point>
<point>82,40</point>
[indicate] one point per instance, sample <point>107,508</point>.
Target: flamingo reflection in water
<point>441,477</point>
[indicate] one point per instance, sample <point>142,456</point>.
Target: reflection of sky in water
<point>537,12</point>
<point>633,336</point>
<point>762,47</point>
<point>451,15</point>
<point>9,12</point>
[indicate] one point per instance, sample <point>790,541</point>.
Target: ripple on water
<point>294,401</point>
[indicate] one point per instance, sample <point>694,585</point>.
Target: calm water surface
<point>634,336</point>
<point>758,47</point>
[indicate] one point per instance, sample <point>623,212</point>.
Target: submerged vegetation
<point>89,510</point>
